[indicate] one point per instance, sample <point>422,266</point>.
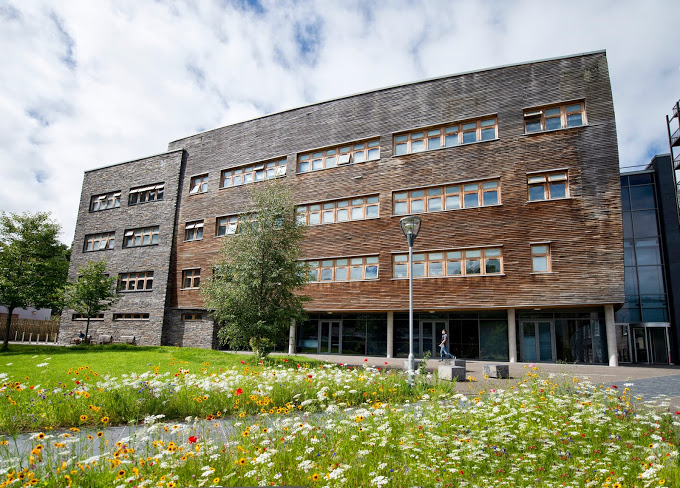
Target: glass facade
<point>360,334</point>
<point>646,297</point>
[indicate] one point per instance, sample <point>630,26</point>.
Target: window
<point>105,201</point>
<point>141,237</point>
<point>145,194</point>
<point>190,317</point>
<point>77,316</point>
<point>540,258</point>
<point>199,184</point>
<point>449,197</point>
<point>233,224</point>
<point>137,281</point>
<point>548,186</point>
<point>464,262</point>
<point>99,242</point>
<point>193,231</point>
<point>191,278</point>
<point>343,269</point>
<point>554,117</point>
<point>253,172</point>
<point>446,136</point>
<point>130,316</point>
<point>339,211</point>
<point>337,156</point>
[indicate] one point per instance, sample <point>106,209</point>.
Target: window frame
<point>78,317</point>
<point>108,237</point>
<point>276,166</point>
<point>547,255</point>
<point>123,316</point>
<point>152,232</point>
<point>338,155</point>
<point>235,219</point>
<point>193,227</point>
<point>457,129</point>
<point>447,191</point>
<point>198,184</point>
<point>323,208</point>
<point>155,189</point>
<point>113,197</point>
<point>124,280</point>
<point>540,112</point>
<point>192,274</point>
<point>342,262</point>
<point>448,256</point>
<point>546,183</point>
<point>192,316</point>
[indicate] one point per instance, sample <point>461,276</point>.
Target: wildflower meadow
<point>288,423</point>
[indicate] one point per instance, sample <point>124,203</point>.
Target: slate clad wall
<point>585,230</point>
<point>121,177</point>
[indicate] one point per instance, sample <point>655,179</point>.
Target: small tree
<point>92,292</point>
<point>33,264</point>
<point>252,291</point>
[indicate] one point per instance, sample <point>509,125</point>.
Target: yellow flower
<point>315,477</point>
<point>41,436</point>
<point>105,420</point>
<point>100,433</point>
<point>83,418</point>
<point>241,461</point>
<point>215,481</point>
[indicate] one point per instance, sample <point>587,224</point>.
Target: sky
<point>90,83</point>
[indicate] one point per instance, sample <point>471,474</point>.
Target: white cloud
<point>88,84</point>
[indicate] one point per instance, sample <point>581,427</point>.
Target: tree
<point>252,293</point>
<point>92,292</point>
<point>33,264</point>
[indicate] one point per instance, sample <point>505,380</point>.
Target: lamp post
<point>410,226</point>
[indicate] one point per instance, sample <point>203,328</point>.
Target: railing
<point>674,137</point>
<point>29,330</point>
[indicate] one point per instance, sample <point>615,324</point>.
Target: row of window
<point>116,316</point>
<point>144,236</point>
<point>463,262</point>
<point>138,195</point>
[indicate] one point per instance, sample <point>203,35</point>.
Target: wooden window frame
<point>547,255</point>
<point>194,277</point>
<point>546,179</point>
<point>253,173</point>
<point>125,280</point>
<point>446,192</point>
<point>107,237</point>
<point>192,317</point>
<point>332,208</point>
<point>146,194</point>
<point>445,258</point>
<point>193,231</point>
<point>541,116</point>
<point>232,220</point>
<point>346,263</point>
<point>343,154</point>
<point>131,316</point>
<point>130,237</point>
<point>199,184</point>
<point>443,136</point>
<point>78,317</point>
<point>112,200</point>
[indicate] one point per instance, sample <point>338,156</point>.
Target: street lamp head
<point>410,226</point>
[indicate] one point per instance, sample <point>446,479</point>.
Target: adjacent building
<point>513,170</point>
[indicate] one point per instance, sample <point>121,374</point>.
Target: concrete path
<point>654,384</point>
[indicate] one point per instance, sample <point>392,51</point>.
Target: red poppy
<point>614,386</point>
<point>239,391</point>
<point>365,359</point>
<point>309,376</point>
<point>385,363</point>
<point>192,439</point>
<point>243,362</point>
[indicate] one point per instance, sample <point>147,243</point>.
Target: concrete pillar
<point>390,334</point>
<point>512,336</point>
<point>291,337</point>
<point>610,327</point>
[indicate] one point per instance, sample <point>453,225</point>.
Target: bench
<point>497,370</point>
<point>104,339</point>
<point>130,339</point>
<point>78,340</point>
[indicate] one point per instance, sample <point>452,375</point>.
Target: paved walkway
<point>652,383</point>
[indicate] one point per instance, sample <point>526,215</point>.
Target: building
<point>514,171</point>
<point>648,321</point>
<point>26,313</point>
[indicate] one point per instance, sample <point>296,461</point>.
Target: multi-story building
<point>647,324</point>
<point>513,170</point>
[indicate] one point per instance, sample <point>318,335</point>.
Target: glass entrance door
<point>537,341</point>
<point>640,344</point>
<point>429,336</point>
<point>330,332</point>
<point>651,345</point>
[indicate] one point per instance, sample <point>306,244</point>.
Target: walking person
<point>442,348</point>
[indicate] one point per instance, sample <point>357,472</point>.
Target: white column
<point>291,337</point>
<point>390,334</point>
<point>512,336</point>
<point>610,327</point>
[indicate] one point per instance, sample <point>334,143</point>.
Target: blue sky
<point>88,83</point>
